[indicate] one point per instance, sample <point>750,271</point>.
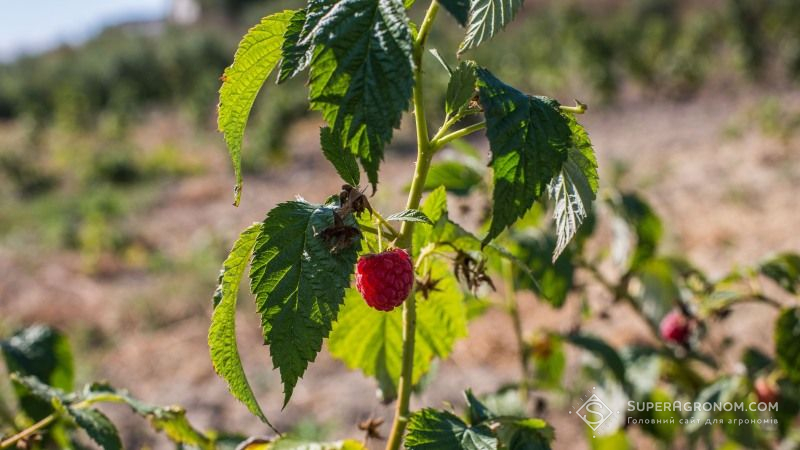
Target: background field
<point>115,190</point>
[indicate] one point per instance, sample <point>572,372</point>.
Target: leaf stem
<point>436,144</point>
<point>523,348</point>
<point>31,430</point>
<point>424,156</point>
<point>385,223</point>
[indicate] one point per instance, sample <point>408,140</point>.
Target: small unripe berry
<point>676,327</point>
<point>385,279</point>
<point>766,391</point>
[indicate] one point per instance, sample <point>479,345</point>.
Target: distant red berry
<point>766,391</point>
<point>385,279</point>
<point>676,327</point>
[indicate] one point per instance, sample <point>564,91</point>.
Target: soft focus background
<point>115,189</point>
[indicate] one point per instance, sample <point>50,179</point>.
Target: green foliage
<point>294,56</point>
<point>430,429</point>
<point>645,227</point>
<point>299,279</point>
<point>222,332</point>
<point>43,353</point>
<point>529,139</point>
<point>784,269</point>
<point>457,178</point>
<point>460,89</point>
<point>434,429</point>
<point>605,353</point>
<point>258,53</point>
<point>486,19</point>
<point>459,9</point>
<point>787,334</point>
<point>410,215</point>
<point>97,426</point>
<point>343,161</point>
<point>371,340</point>
<point>361,74</point>
<point>573,189</point>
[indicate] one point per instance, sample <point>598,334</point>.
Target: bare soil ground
<point>725,201</point>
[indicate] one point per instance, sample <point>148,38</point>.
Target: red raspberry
<point>766,390</point>
<point>385,279</point>
<point>676,327</point>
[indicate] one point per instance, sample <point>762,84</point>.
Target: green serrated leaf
<point>603,351</point>
<point>525,434</point>
<point>44,353</point>
<point>430,429</point>
<point>222,332</point>
<point>299,281</point>
<point>784,269</point>
<point>486,19</point>
<point>441,60</point>
<point>97,426</point>
<point>573,189</point>
<point>361,74</point>
<point>169,419</point>
<point>529,139</point>
<point>410,215</point>
<point>645,225</point>
<point>371,340</point>
<point>458,8</point>
<point>461,88</point>
<point>478,412</point>
<point>554,279</point>
<point>457,178</point>
<point>258,53</point>
<point>294,55</point>
<point>43,392</point>
<point>787,336</point>
<point>343,160</point>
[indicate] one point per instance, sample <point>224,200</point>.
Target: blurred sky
<point>30,26</point>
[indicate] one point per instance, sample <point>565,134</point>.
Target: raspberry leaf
<point>459,9</point>
<point>295,55</point>
<point>43,353</point>
<point>784,269</point>
<point>638,233</point>
<point>430,429</point>
<point>529,139</point>
<point>299,283</point>
<point>787,335</point>
<point>456,177</point>
<point>222,333</point>
<point>258,53</point>
<point>487,18</point>
<point>343,161</point>
<point>573,189</point>
<point>97,426</point>
<point>410,215</point>
<point>361,73</point>
<point>525,433</point>
<point>461,88</point>
<point>371,340</point>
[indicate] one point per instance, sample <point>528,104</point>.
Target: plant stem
<point>7,443</point>
<point>424,156</point>
<point>522,347</point>
<point>439,143</point>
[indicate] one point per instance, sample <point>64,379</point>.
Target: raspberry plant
<point>365,65</point>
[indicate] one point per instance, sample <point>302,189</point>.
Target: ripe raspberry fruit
<point>385,279</point>
<point>676,327</point>
<point>766,390</point>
